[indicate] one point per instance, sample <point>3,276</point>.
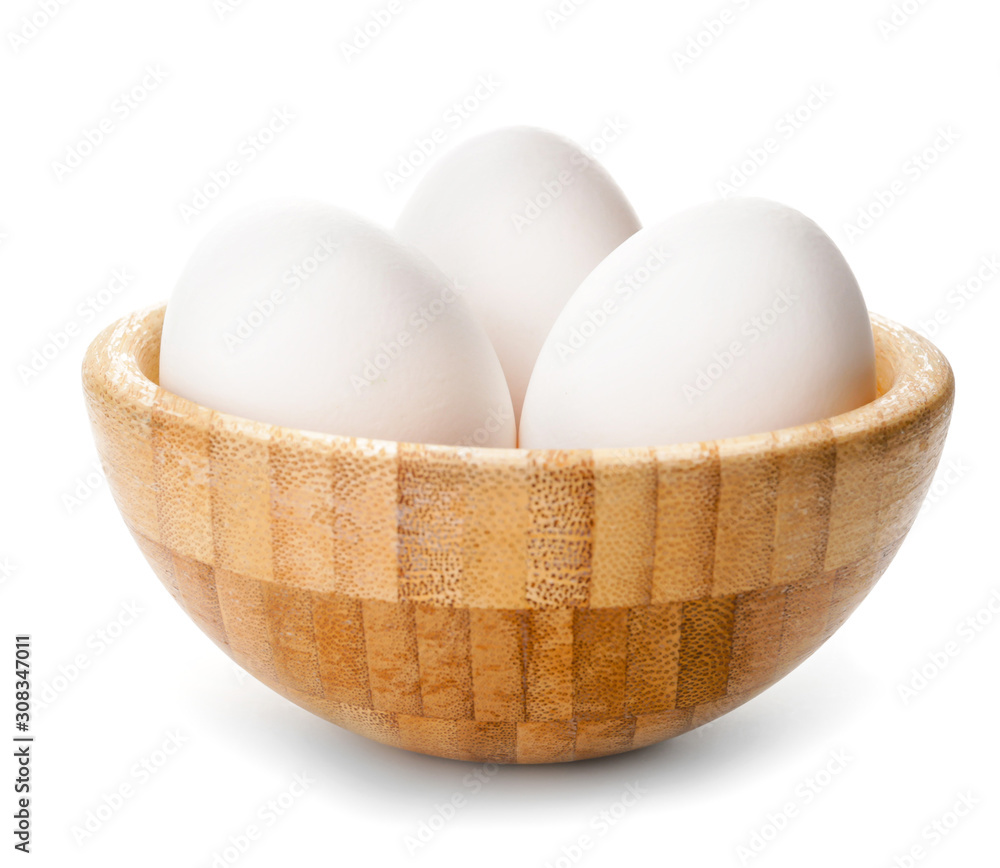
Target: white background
<point>69,565</point>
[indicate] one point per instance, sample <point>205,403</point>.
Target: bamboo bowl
<point>506,605</point>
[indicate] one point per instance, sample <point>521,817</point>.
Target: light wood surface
<point>507,605</point>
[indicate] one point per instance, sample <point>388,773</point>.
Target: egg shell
<point>518,217</point>
<point>301,315</point>
<point>732,318</point>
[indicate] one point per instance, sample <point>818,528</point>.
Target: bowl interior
<point>898,351</point>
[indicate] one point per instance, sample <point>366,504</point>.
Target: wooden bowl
<point>508,605</point>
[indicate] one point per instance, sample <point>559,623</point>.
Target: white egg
<point>301,315</point>
<point>518,217</point>
<point>733,318</point>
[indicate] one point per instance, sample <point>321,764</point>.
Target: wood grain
<point>512,606</point>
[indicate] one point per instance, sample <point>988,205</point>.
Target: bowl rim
<point>914,377</point>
